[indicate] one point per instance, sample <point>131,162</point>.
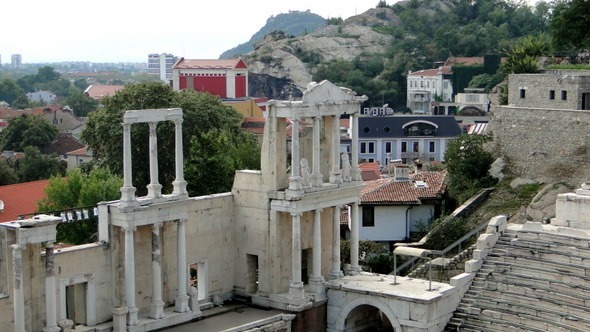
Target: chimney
<point>402,173</point>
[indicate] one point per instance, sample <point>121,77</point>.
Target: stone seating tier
<point>530,281</point>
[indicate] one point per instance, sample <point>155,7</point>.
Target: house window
<point>522,93</point>
<point>387,147</point>
<point>416,145</point>
<point>563,95</point>
<point>446,84</point>
<point>367,147</point>
<point>404,147</point>
<point>551,94</point>
<point>431,147</point>
<point>368,216</point>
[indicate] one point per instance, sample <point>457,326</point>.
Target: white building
<point>426,86</point>
<point>161,65</point>
<point>16,61</point>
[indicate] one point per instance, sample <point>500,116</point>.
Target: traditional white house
<point>427,86</point>
<point>394,207</point>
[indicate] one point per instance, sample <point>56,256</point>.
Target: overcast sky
<point>127,31</point>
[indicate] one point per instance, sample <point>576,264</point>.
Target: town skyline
<point>132,32</point>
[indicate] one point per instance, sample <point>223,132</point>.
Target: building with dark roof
<point>405,137</point>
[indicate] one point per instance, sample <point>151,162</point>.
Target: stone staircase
<point>529,281</point>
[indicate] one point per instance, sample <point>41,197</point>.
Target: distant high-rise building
<point>16,61</point>
<point>161,65</point>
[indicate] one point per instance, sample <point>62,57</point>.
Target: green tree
<point>204,117</point>
<point>80,103</point>
<point>10,91</point>
<point>27,130</point>
<point>7,172</point>
<point>78,190</point>
<point>523,53</point>
<point>468,163</point>
<point>570,23</point>
<point>37,166</point>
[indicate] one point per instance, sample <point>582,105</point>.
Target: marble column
<point>296,286</point>
<point>295,179</point>
<point>316,278</point>
<point>50,298</point>
<point>335,174</point>
<point>18,301</point>
<point>154,188</point>
<point>354,149</point>
<point>179,183</point>
<point>127,191</point>
<point>354,239</point>
<point>130,276</point>
<point>181,304</point>
<point>336,269</point>
<point>157,305</point>
<point>316,175</point>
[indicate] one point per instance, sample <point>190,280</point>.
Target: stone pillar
<point>130,276</point>
<point>316,278</point>
<point>355,171</point>
<point>336,270</point>
<point>18,302</point>
<point>179,183</point>
<point>182,297</point>
<point>295,179</point>
<point>50,298</point>
<point>119,314</point>
<point>316,175</point>
<point>127,191</point>
<point>296,287</point>
<point>335,175</point>
<point>157,305</point>
<point>154,188</point>
<point>354,240</point>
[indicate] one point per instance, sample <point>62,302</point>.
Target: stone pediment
<point>326,91</point>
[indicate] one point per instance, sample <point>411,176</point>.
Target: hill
<point>295,23</point>
<point>372,53</point>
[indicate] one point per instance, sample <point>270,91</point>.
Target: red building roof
<point>388,191</point>
<point>100,91</point>
<point>21,198</point>
<point>210,64</point>
<point>431,72</point>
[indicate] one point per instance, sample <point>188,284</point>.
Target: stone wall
<point>534,90</point>
<point>547,145</point>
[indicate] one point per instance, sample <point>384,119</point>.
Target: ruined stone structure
<point>541,137</point>
<point>273,241</point>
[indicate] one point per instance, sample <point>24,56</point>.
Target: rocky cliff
<point>282,66</point>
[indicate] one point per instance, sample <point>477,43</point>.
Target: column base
<point>179,188</point>
<point>157,310</point>
<point>316,285</point>
<point>353,271</point>
<point>335,177</point>
<point>154,190</point>
<point>52,329</point>
<point>296,290</point>
<point>181,304</point>
<point>132,313</point>
<point>335,275</point>
<point>316,180</point>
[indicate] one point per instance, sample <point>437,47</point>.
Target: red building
<point>224,78</point>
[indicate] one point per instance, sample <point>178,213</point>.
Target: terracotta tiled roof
<point>389,192</point>
<point>21,198</point>
<point>100,91</point>
<point>370,171</point>
<point>431,72</point>
<point>209,64</point>
<point>80,152</point>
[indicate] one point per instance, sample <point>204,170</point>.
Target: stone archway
<point>340,323</point>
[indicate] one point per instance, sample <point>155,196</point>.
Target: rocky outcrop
<point>291,61</point>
